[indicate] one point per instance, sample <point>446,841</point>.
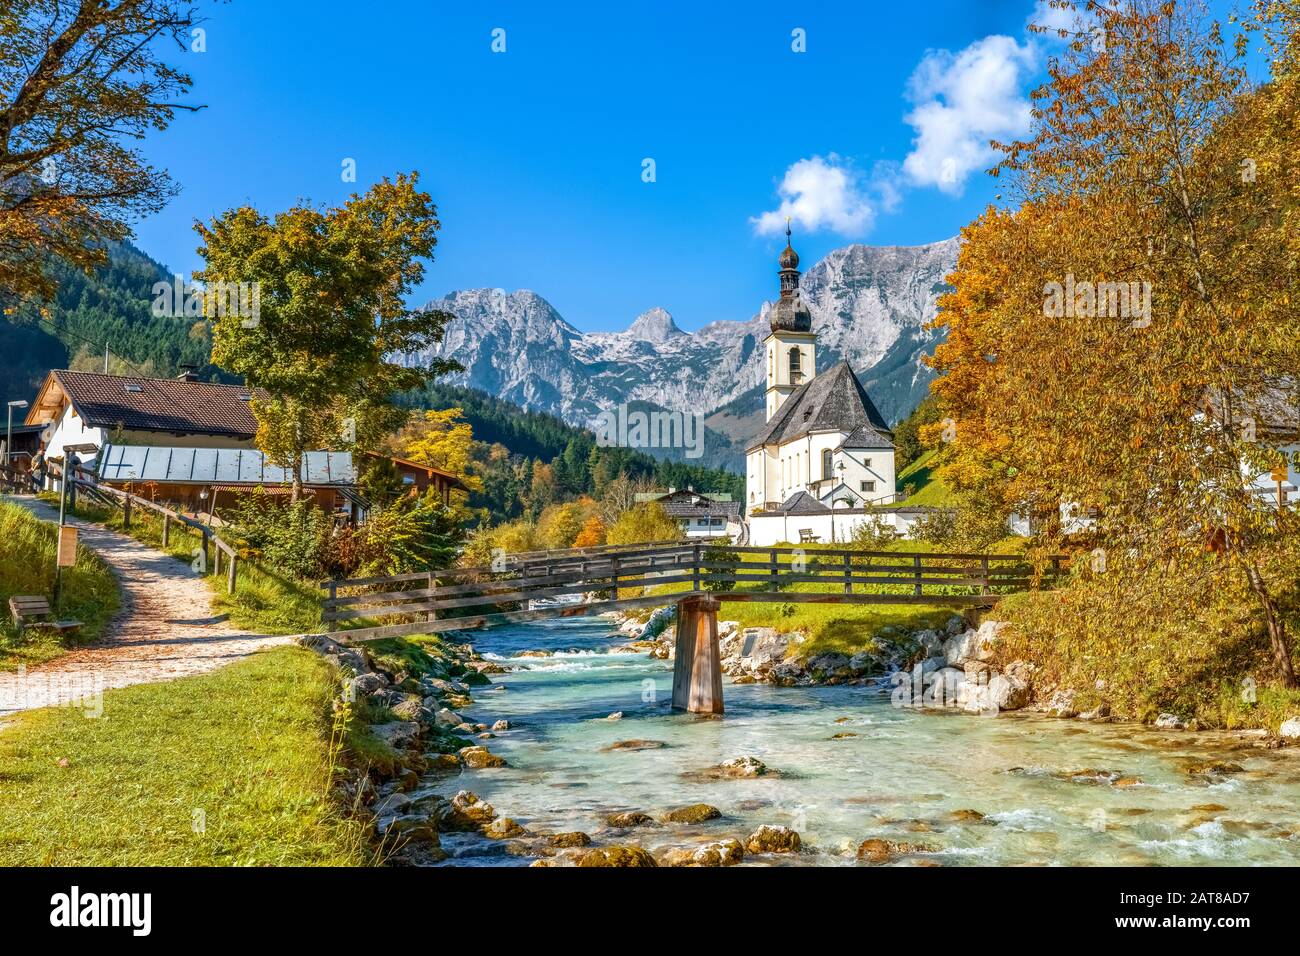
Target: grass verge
<point>245,751</point>
<point>89,590</point>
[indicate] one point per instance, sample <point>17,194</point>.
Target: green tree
<point>332,320</point>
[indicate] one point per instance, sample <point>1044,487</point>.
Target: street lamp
<point>9,431</point>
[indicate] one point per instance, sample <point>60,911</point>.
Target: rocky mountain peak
<point>654,325</point>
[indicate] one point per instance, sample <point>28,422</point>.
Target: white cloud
<point>961,101</point>
<point>819,193</point>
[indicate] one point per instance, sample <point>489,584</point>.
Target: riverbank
<point>945,668</point>
<point>594,758</point>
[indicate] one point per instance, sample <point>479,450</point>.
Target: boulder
<point>408,827</point>
<point>955,625</point>
<point>958,648</point>
<point>823,666</point>
<point>363,685</point>
<point>930,641</point>
<point>1290,729</point>
<point>865,662</point>
<point>570,839</point>
<point>743,767</point>
<point>448,718</point>
<point>753,651</point>
<point>501,725</point>
<point>477,758</point>
<point>788,673</point>
<point>617,856</point>
<point>468,811</point>
<point>768,839</point>
<point>722,853</point>
<point>694,813</point>
<point>617,715</point>
<point>876,850</point>
<point>634,745</point>
<point>411,707</point>
<point>392,804</point>
<point>1170,722</point>
<point>629,818</point>
<point>398,734</point>
<point>1060,704</point>
<point>1100,712</point>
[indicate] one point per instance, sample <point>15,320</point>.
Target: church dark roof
<point>803,504</point>
<point>832,401</point>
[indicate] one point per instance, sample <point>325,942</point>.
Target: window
<point>827,461</point>
<point>866,463</point>
<point>868,486</point>
<point>796,373</point>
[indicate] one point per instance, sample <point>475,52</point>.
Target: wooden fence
<point>465,598</point>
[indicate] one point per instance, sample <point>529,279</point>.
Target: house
<point>199,480</point>
<point>699,514</point>
<point>419,478</point>
<point>825,448</point>
<point>88,408</point>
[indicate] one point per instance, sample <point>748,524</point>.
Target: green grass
<point>249,746</point>
<point>847,628</point>
<point>927,488</point>
<point>264,602</point>
<point>89,591</point>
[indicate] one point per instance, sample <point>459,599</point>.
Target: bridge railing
<point>640,576</point>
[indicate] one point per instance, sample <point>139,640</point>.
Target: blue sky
<point>535,155</point>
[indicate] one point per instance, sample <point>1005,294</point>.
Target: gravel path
<point>166,629</point>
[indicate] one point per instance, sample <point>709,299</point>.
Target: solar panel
<point>229,466</point>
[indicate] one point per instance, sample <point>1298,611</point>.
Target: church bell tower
<point>791,345</point>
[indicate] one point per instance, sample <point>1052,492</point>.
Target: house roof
<point>163,464</point>
<point>803,503</point>
<point>430,470</point>
<point>147,404</point>
<point>832,401</point>
<point>1274,408</point>
<point>699,507</point>
<point>684,494</point>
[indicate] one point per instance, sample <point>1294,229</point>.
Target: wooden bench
<point>29,609</point>
<point>806,536</point>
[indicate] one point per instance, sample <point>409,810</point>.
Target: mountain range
<point>870,305</point>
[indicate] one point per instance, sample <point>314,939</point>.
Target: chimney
<point>189,373</point>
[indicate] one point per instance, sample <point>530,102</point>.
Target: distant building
<point>824,464</point>
<point>419,478</point>
<point>699,514</point>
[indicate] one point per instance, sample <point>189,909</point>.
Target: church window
<point>795,370</point>
<point>826,463</point>
<point>868,486</point>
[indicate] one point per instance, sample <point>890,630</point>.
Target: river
<point>849,765</point>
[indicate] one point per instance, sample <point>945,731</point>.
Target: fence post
<point>697,558</point>
<point>984,566</point>
<point>204,546</point>
<point>216,560</point>
<point>775,586</point>
<point>230,576</point>
<point>334,592</point>
<point>613,577</point>
<point>167,530</point>
<point>126,512</point>
<point>432,615</point>
<point>916,561</point>
<point>848,573</point>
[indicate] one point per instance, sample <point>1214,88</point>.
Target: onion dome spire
<point>789,314</point>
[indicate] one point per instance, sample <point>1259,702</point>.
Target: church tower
<point>791,345</point>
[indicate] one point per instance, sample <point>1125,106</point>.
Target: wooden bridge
<point>698,576</point>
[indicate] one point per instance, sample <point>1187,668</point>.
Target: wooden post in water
<point>697,664</point>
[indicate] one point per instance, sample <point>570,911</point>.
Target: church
<point>823,463</point>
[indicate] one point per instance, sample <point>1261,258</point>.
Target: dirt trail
<point>166,628</point>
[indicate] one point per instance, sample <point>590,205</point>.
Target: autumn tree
<point>333,326</point>
<point>78,82</point>
<point>1122,340</point>
<point>592,534</point>
<point>443,439</point>
<point>643,523</point>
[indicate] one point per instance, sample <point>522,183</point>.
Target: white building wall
<point>772,529</point>
<point>69,429</point>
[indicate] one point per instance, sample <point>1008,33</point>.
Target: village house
<point>699,514</point>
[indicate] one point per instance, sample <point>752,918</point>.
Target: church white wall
<point>772,529</point>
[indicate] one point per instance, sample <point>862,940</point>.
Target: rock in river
<point>635,745</point>
<point>504,829</point>
<point>617,856</point>
<point>631,818</point>
<point>695,813</point>
<point>574,838</point>
<point>476,758</point>
<point>723,853</point>
<point>767,839</point>
<point>468,811</point>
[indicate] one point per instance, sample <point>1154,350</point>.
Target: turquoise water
<point>898,778</point>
